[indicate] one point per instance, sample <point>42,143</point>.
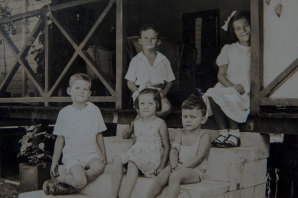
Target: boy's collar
<point>158,58</point>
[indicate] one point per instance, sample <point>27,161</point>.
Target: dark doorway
<point>201,45</point>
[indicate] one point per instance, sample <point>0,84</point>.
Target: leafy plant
<point>36,146</point>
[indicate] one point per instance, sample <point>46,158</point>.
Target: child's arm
<point>101,146</point>
<point>167,88</point>
<point>222,78</point>
<point>131,86</point>
<point>203,150</point>
<point>59,144</point>
<point>163,131</point>
<point>175,151</point>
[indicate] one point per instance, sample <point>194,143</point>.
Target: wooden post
<point>24,76</point>
<point>256,7</point>
<point>46,58</point>
<point>120,52</point>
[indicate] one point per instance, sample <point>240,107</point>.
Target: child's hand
<point>157,171</point>
<point>54,170</point>
<point>239,88</point>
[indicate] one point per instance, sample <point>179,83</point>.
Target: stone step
<point>100,188</point>
<point>240,169</point>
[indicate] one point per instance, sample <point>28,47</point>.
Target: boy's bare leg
<point>76,177</point>
<point>160,182</point>
<point>166,108</point>
<point>116,177</point>
<point>95,167</point>
<point>181,176</point>
<point>130,180</point>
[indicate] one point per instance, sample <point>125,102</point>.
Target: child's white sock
<point>235,132</point>
<point>224,132</point>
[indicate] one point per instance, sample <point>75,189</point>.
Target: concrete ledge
<point>40,194</point>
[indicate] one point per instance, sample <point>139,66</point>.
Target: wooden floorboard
<point>264,123</point>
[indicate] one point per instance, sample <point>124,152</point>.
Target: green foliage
<point>9,27</point>
<point>36,146</point>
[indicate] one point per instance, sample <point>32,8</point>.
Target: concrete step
<point>240,170</point>
<point>100,188</point>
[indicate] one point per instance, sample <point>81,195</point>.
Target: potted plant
<point>36,155</point>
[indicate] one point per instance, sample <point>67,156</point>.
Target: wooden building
<point>98,37</point>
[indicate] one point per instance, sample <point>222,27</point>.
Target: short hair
<point>156,97</point>
<point>79,76</point>
<point>237,16</point>
<point>148,27</point>
<point>195,102</point>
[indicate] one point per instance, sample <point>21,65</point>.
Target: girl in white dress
<point>150,152</point>
<point>229,99</point>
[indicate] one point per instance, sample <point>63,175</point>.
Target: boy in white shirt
<point>150,68</point>
<point>78,129</point>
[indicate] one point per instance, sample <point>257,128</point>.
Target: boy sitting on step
<point>78,129</point>
<point>189,151</point>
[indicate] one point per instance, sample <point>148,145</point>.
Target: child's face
<point>192,119</point>
<point>79,91</point>
<point>242,30</point>
<point>149,39</point>
<point>147,105</point>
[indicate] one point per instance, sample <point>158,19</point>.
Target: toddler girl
<point>229,99</point>
<point>189,151</point>
<point>150,152</point>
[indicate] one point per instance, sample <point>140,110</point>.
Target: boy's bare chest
<point>151,59</point>
<point>188,140</point>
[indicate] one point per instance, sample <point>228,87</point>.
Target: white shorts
<point>81,160</point>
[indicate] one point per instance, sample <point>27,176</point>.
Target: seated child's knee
<point>80,182</point>
<point>174,177</point>
<point>117,160</point>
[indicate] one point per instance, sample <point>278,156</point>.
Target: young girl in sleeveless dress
<point>189,151</point>
<point>229,99</point>
<point>150,152</point>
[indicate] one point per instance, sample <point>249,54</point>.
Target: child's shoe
<point>53,187</point>
<point>233,140</point>
<point>219,141</point>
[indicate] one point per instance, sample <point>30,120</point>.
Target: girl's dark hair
<point>156,97</point>
<point>237,16</point>
<point>195,102</point>
<point>148,27</point>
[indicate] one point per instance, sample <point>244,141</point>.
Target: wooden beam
<point>79,48</point>
<point>279,102</point>
<point>280,79</point>
<point>97,23</point>
<point>46,8</point>
<point>62,74</point>
<point>78,51</point>
<point>46,58</point>
<point>55,99</point>
<point>256,53</point>
<point>120,54</point>
<point>24,50</point>
<point>72,4</point>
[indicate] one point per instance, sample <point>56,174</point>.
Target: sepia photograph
<point>148,99</point>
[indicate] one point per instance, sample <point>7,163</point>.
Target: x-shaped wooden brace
<point>20,57</point>
<point>79,51</point>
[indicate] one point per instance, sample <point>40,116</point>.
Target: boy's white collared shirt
<point>141,72</point>
<point>79,129</point>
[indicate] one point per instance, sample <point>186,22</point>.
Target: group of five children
<point>149,78</point>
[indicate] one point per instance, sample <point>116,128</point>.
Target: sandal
<point>228,143</point>
<point>53,187</point>
<point>218,141</point>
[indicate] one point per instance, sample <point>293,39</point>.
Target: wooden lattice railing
<point>46,91</point>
